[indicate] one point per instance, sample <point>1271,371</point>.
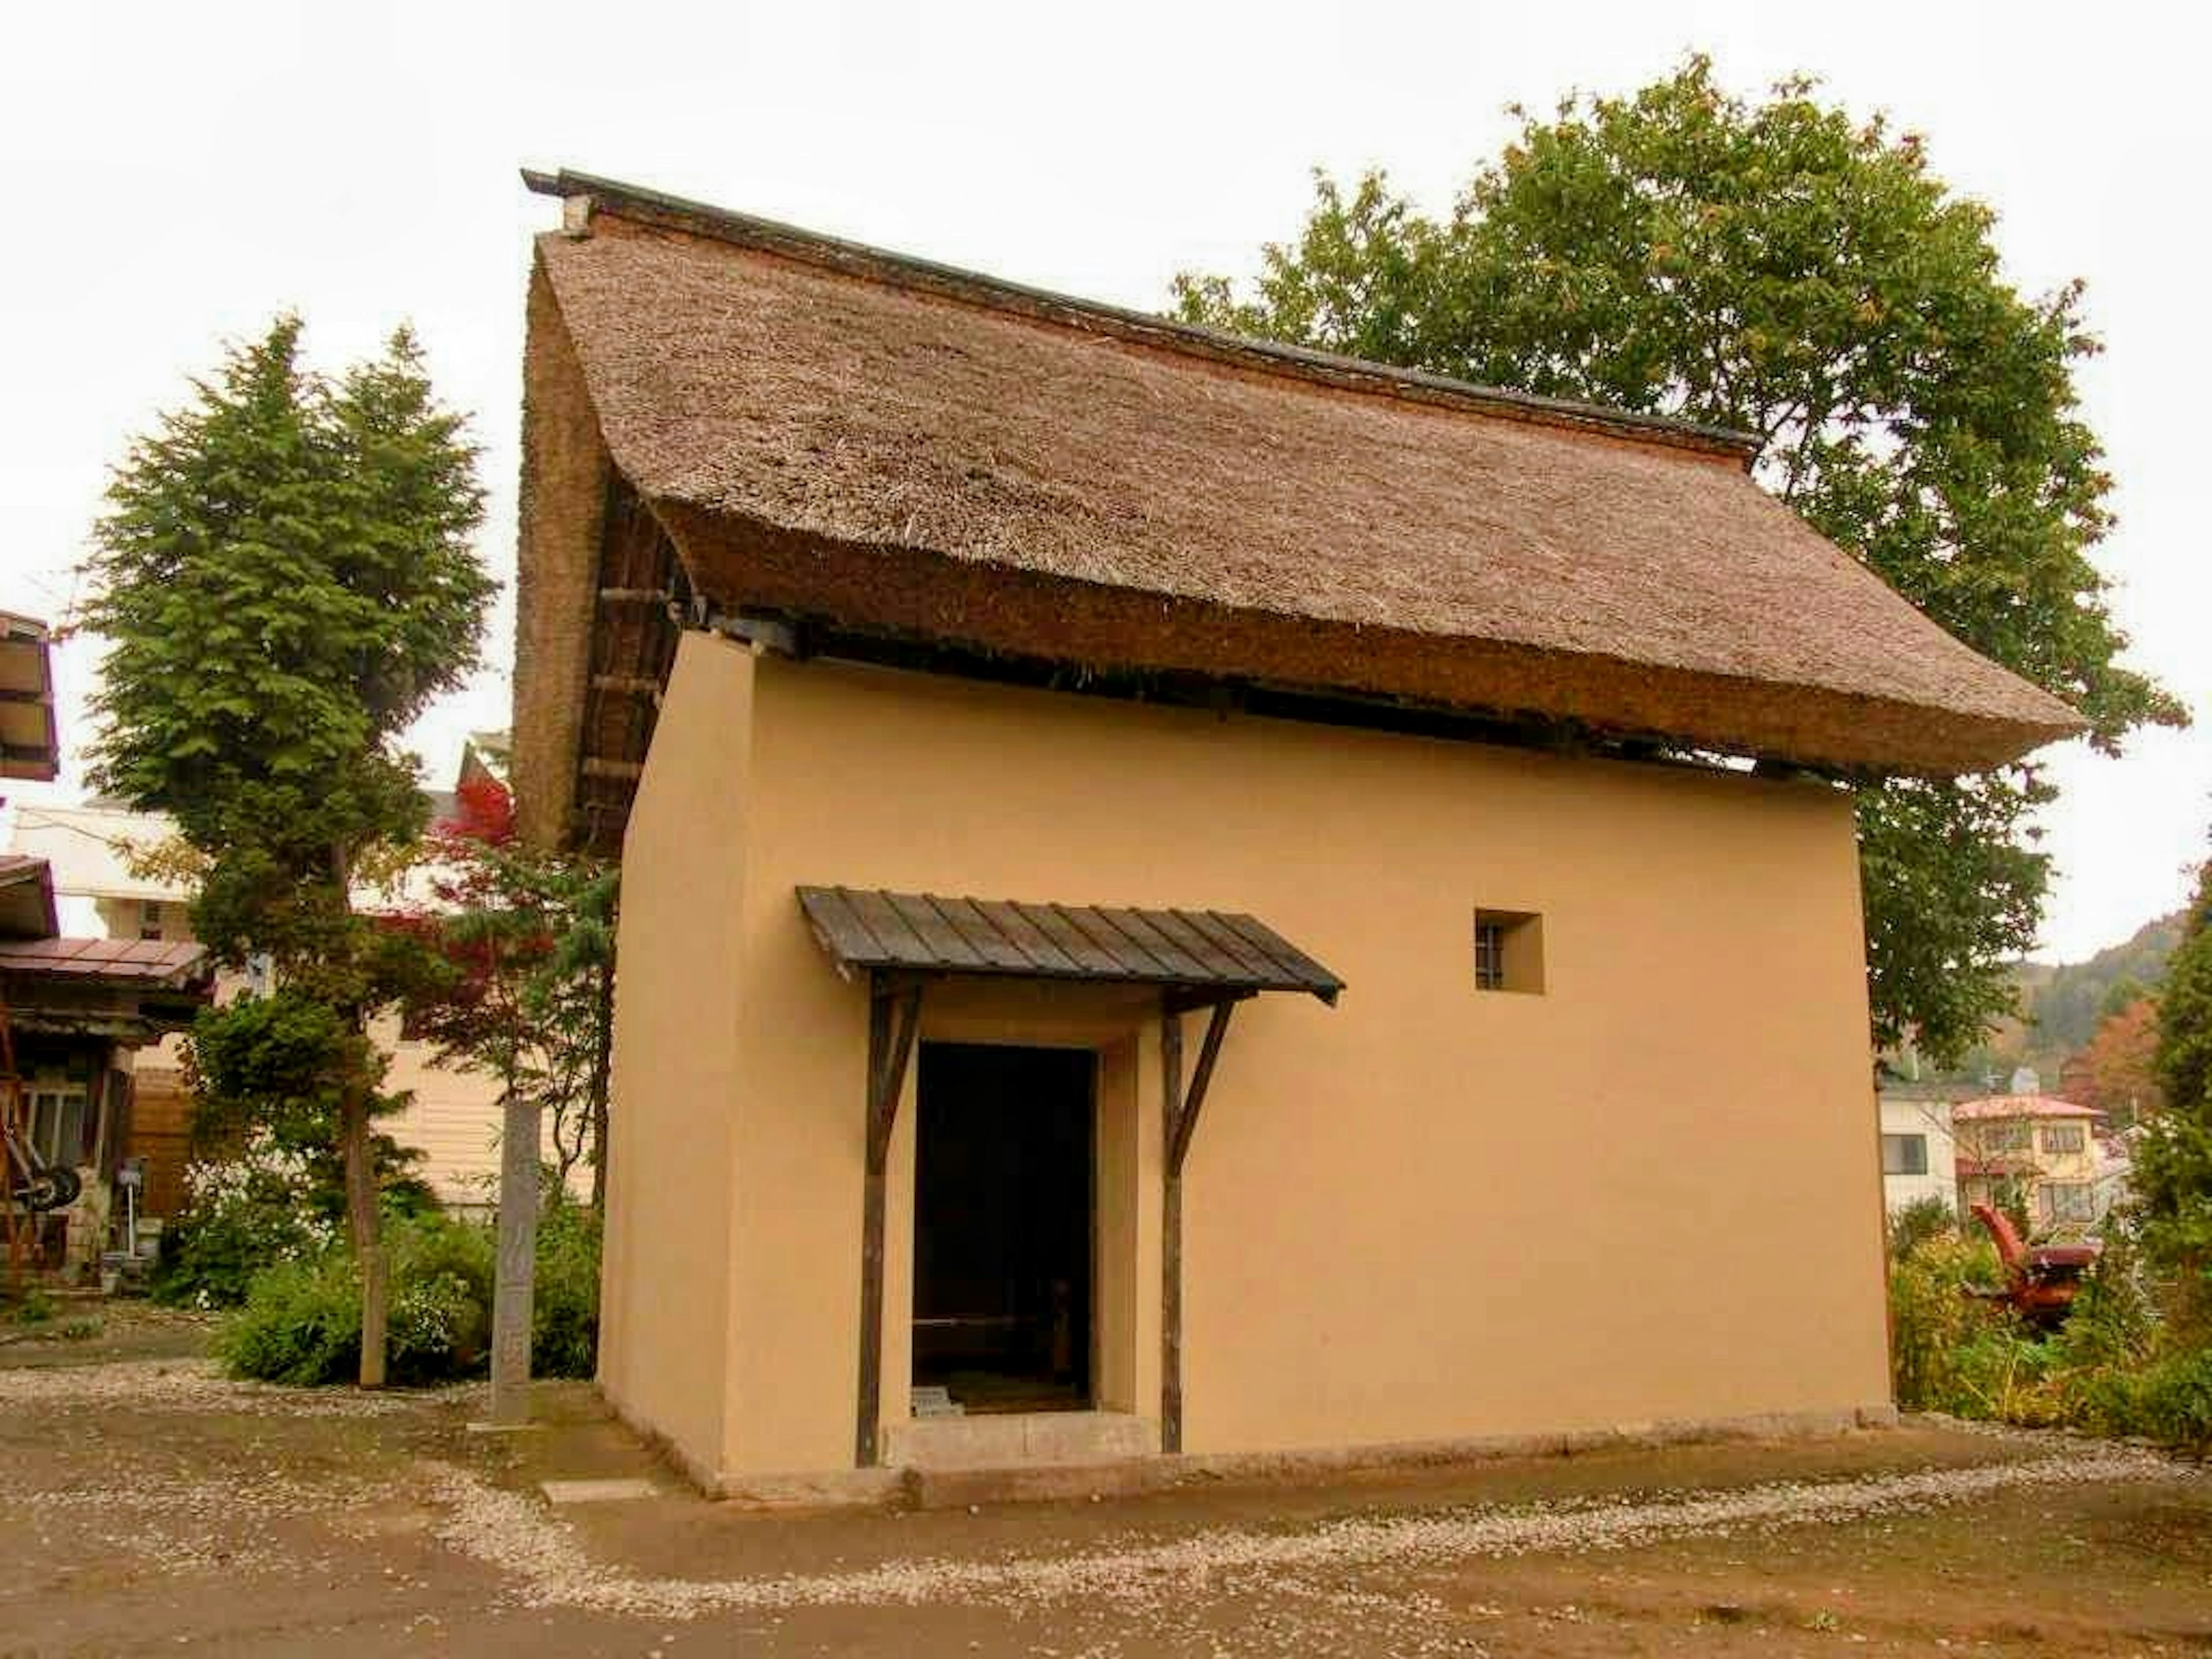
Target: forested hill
<point>2063,1004</point>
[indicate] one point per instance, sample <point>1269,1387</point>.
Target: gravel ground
<point>153,1505</point>
<point>540,1554</point>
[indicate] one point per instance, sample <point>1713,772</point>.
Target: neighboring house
<point>2115,1169</point>
<point>30,745</point>
<point>991,694</point>
<point>76,1013</point>
<point>1917,1156</point>
<point>452,1116</point>
<point>2041,1149</point>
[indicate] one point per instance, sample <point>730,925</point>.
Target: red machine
<point>2040,1281</point>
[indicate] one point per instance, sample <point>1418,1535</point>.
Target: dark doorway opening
<point>1002,1225</point>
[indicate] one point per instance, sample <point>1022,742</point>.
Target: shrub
<point>301,1320</point>
<point>300,1323</point>
<point>1934,1325</point>
<point>1919,1222</point>
<point>439,1319</point>
<point>35,1308</point>
<point>564,1336</point>
<point>2172,1401</point>
<point>242,1215</point>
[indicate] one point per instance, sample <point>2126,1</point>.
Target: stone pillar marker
<point>515,1283</point>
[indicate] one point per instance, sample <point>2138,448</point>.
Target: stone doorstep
<point>1124,1476</point>
<point>559,1492</point>
<point>1019,1439</point>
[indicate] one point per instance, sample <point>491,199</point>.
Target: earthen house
<point>1188,896</point>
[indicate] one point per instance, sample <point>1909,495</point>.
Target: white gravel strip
<point>185,1385</point>
<point>516,1535</point>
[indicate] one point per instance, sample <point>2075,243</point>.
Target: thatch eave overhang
<point>909,597</point>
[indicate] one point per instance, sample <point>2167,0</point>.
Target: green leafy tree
<point>286,574</point>
<point>1777,267</point>
<point>2174,1161</point>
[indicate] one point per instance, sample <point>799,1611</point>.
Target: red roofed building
<point>73,1014</point>
<point>2035,1148</point>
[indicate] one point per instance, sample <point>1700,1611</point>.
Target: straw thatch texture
<point>565,478</point>
<point>899,455</point>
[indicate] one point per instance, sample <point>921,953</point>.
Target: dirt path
<point>151,1506</point>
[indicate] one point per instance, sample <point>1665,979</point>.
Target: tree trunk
<point>515,1288</point>
<point>364,1226</point>
<point>601,1066</point>
<point>364,1221</point>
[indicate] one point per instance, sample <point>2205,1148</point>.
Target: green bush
<point>242,1215</point>
<point>1938,1334</point>
<point>2172,1401</point>
<point>438,1324</point>
<point>1923,1219</point>
<point>301,1324</point>
<point>564,1337</point>
<point>2117,1366</point>
<point>35,1308</point>
<point>301,1320</point>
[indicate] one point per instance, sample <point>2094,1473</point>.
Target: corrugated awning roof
<point>920,932</point>
<point>171,965</point>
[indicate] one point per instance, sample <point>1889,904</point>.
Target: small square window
<point>1904,1154</point>
<point>149,919</point>
<point>58,1125</point>
<point>2061,1201</point>
<point>1509,950</point>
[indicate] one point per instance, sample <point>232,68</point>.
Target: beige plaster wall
<point>1432,1211</point>
<point>664,1332</point>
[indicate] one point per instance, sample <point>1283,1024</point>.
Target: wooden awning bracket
<point>1182,1113</point>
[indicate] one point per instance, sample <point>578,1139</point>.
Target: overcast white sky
<point>178,173</point>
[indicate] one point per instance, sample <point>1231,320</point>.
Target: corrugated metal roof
<point>170,964</point>
<point>923,932</point>
<point>1997,1107</point>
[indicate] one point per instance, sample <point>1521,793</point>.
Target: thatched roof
<point>832,432</point>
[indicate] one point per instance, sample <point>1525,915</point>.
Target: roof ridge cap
<point>978,288</point>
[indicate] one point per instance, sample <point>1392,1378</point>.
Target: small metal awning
<point>1205,951</point>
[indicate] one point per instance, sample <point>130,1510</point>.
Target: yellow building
<point>1157,915</point>
<point>2041,1150</point>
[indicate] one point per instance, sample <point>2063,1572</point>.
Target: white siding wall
<point>1930,1119</point>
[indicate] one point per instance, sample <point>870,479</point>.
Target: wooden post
<point>1181,1108</point>
<point>1171,1233</point>
<point>514,1286</point>
<point>894,1018</point>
